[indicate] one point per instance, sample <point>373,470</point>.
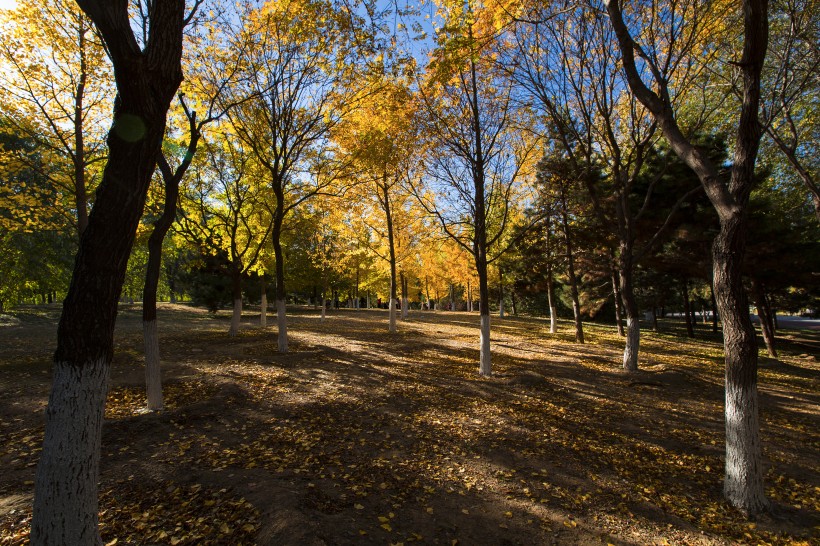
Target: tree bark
<point>633,323</point>
<point>391,327</point>
<point>616,293</point>
<point>743,485</point>
<point>500,293</point>
<point>236,317</point>
<point>687,308</point>
<point>65,492</point>
<point>153,374</point>
<point>263,303</point>
<point>573,279</point>
<point>764,317</point>
<point>279,257</point>
<point>80,195</point>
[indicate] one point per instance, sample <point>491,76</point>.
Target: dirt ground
<point>357,436</point>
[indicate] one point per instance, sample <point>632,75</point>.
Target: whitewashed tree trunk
<point>153,377</point>
<point>501,308</point>
<point>236,317</point>
<point>282,323</point>
<point>744,472</point>
<point>324,306</point>
<point>633,343</point>
<point>485,366</point>
<point>553,319</point>
<point>263,314</point>
<point>69,467</point>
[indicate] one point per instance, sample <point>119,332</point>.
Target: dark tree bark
<point>65,497</point>
<point>573,279</point>
<point>616,293</point>
<point>687,308</point>
<point>171,180</point>
<point>764,316</point>
<point>743,485</point>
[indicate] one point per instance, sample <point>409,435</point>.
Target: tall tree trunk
<point>655,319</point>
<point>469,296</point>
<point>66,484</point>
<point>551,299</point>
<point>404,300</point>
<point>743,486</point>
<point>616,293</point>
<point>687,308</point>
<point>80,192</point>
<point>236,317</point>
<point>764,317</point>
<point>633,319</point>
<point>263,302</point>
<point>573,279</point>
<point>279,257</point>
<point>388,214</point>
<point>500,293</point>
<point>512,300</point>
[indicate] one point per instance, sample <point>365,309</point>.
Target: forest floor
<point>357,436</point>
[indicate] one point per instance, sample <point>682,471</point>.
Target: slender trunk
<point>485,361</point>
<point>551,299</point>
<point>80,192</point>
<point>500,293</point>
<point>633,324</point>
<point>655,319</point>
<point>616,292</point>
<point>687,310</point>
<point>512,300</point>
<point>714,306</point>
<point>263,303</point>
<point>403,280</point>
<point>392,250</point>
<point>573,279</point>
<point>770,312</point>
<point>236,317</point>
<point>153,376</point>
<point>469,296</point>
<point>764,317</point>
<point>276,235</point>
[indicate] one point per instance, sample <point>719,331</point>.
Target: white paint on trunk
<point>485,366</point>
<point>282,323</point>
<point>404,308</point>
<point>553,320</point>
<point>235,318</point>
<point>263,315</point>
<point>633,342</point>
<point>65,491</point>
<point>501,309</point>
<point>744,474</point>
<point>153,376</point>
<point>392,323</point>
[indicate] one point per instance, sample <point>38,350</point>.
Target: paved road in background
<point>794,323</point>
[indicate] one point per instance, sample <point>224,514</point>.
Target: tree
<point>743,486</point>
<point>225,212</point>
<point>476,158</point>
<point>56,89</point>
<point>294,73</point>
<point>148,75</point>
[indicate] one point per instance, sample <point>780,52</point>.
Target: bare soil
<point>357,436</point>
